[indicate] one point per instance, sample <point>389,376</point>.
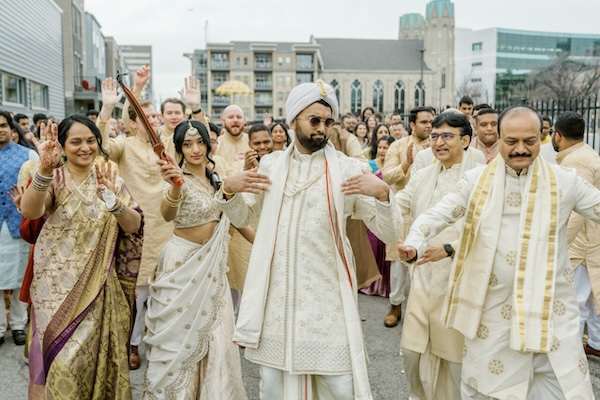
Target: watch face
<point>449,249</point>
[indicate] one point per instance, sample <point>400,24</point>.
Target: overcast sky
<point>174,27</point>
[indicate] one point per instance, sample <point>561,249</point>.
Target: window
<point>237,61</point>
<point>280,112</point>
<point>39,95</point>
<point>280,80</point>
<point>288,81</point>
<point>356,97</point>
<point>336,86</point>
<point>399,105</point>
<point>304,61</point>
<point>246,80</point>
<point>477,46</point>
<point>378,96</point>
<point>76,19</point>
<point>245,60</point>
<point>303,78</point>
<point>443,85</point>
<point>13,89</point>
<point>279,60</point>
<point>419,94</point>
<point>288,60</point>
<point>476,64</point>
<point>280,96</point>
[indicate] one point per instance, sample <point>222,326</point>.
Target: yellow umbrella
<point>233,87</point>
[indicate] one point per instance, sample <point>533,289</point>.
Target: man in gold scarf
<point>511,285</point>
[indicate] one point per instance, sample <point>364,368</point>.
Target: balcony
<point>219,65</point>
<point>221,101</point>
<point>263,101</point>
<point>263,66</point>
<point>90,84</point>
<point>263,85</point>
<point>305,67</point>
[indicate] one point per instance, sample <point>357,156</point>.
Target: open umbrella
<point>233,87</point>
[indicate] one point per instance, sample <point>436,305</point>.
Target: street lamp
<point>421,100</point>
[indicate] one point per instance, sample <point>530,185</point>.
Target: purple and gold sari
<point>83,294</point>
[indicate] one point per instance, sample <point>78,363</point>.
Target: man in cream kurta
<point>511,288</point>
<point>396,172</point>
<point>299,318</point>
<point>584,250</point>
<point>432,353</point>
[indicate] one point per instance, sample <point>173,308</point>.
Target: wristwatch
<point>449,249</point>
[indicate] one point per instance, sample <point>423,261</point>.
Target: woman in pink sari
<point>85,268</point>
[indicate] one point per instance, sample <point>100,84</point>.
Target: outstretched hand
<point>191,92</point>
<point>15,193</point>
<point>432,254</point>
<point>106,179</point>
<point>141,77</point>
<point>169,171</point>
<point>249,181</point>
<point>110,98</point>
<point>48,147</point>
<point>367,184</point>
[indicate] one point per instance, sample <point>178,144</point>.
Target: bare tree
<point>566,78</point>
<point>475,90</point>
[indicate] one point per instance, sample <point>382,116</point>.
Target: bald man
<point>233,144</point>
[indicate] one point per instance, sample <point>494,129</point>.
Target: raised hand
<point>15,193</point>
<point>106,179</point>
<point>367,184</point>
<point>191,92</point>
<point>109,93</point>
<point>141,77</point>
<point>249,181</point>
<point>48,148</point>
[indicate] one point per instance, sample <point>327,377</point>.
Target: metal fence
<point>587,107</point>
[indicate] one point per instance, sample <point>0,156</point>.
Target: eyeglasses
<point>446,137</point>
<point>316,121</point>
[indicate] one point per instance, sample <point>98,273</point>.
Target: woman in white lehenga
<point>190,313</point>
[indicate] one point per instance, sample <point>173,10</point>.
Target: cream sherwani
<point>310,318</point>
<point>491,366</point>
<point>137,166</point>
<point>392,171</point>
<point>229,148</point>
<point>431,374</point>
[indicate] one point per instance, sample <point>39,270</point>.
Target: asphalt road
<point>383,344</point>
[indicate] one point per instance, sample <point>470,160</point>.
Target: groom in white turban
<point>299,314</point>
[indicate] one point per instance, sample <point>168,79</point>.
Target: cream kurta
<point>229,148</point>
<point>429,282</point>
<point>489,365</point>
<point>304,330</point>
<point>392,171</point>
<point>586,246</point>
<point>138,168</point>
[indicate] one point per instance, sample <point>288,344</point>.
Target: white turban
<point>306,94</point>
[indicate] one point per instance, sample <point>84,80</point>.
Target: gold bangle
<point>171,202</point>
<point>226,193</point>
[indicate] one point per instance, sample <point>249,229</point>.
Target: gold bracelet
<point>171,202</point>
<point>226,193</point>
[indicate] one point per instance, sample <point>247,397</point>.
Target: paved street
<point>385,371</point>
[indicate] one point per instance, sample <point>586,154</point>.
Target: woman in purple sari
<point>381,287</point>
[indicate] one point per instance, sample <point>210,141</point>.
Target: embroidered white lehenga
<point>190,313</point>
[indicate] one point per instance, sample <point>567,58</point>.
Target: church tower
<point>438,42</point>
<point>411,26</point>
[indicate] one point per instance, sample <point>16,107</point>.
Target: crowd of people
<point>262,236</point>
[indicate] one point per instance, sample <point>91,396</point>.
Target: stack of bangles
<point>171,202</point>
<point>119,209</point>
<point>40,182</point>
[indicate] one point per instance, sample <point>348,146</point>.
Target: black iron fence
<point>587,107</point>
